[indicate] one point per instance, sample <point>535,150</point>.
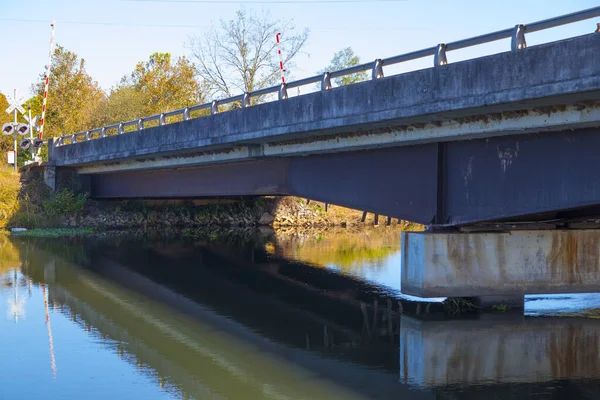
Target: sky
<point>113,35</point>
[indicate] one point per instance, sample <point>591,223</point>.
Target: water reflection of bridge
<point>498,349</point>
<point>223,327</point>
<point>194,349</point>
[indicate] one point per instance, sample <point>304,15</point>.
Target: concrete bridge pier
<point>59,178</point>
<point>500,268</point>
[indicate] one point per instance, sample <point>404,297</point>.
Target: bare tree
<point>240,55</point>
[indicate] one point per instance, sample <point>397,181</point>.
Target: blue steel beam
<point>517,177</point>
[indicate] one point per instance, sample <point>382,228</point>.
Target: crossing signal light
<point>8,128</point>
<point>22,129</point>
<point>25,144</point>
<point>37,143</point>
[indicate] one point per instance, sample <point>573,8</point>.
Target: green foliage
<point>165,85</point>
<point>500,308</point>
<point>65,203</point>
<point>345,58</point>
<point>157,85</point>
<point>9,192</point>
<point>56,232</point>
<point>74,97</point>
<point>6,142</point>
<point>123,104</point>
<point>28,214</point>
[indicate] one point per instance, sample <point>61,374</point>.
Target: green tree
<point>155,86</point>
<point>240,55</point>
<point>74,98</point>
<point>345,58</point>
<point>6,142</point>
<point>124,103</point>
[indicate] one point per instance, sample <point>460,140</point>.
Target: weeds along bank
<point>9,192</point>
<point>31,204</point>
<point>28,203</point>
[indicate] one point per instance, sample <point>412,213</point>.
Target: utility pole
<point>30,130</point>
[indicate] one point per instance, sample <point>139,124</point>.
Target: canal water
<point>263,315</point>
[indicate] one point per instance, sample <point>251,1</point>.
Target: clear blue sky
<point>112,35</point>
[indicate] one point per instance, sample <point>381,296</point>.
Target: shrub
<point>65,203</point>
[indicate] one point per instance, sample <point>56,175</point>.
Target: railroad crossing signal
<point>22,129</point>
<point>33,120</point>
<point>37,143</point>
<point>25,144</point>
<point>15,104</point>
<point>8,128</point>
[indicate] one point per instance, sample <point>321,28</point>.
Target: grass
<point>56,232</point>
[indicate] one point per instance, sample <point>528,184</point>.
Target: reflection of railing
<point>518,42</point>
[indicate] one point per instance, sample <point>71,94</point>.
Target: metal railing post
<point>377,72</point>
<point>439,58</point>
<point>103,132</point>
<point>120,129</point>
<point>140,124</point>
<point>326,81</point>
<point>282,94</point>
<point>246,100</point>
<point>214,107</point>
<point>186,114</point>
<point>518,41</point>
<point>161,119</point>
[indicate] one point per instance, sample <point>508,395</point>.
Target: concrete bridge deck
<point>553,86</point>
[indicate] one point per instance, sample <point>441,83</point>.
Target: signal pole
<point>15,134</point>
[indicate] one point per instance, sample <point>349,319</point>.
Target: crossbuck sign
<point>15,104</point>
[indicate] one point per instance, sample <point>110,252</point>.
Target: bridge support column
<point>499,268</point>
<point>59,178</point>
<point>50,177</point>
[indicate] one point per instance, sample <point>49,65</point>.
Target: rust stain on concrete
<point>466,255</point>
<point>573,255</point>
<point>570,352</point>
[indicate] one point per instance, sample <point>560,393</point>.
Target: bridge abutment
<point>60,178</point>
<point>500,268</point>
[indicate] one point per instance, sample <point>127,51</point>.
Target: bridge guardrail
<point>439,53</point>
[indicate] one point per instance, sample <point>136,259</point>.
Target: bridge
<point>508,136</point>
<point>502,141</point>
